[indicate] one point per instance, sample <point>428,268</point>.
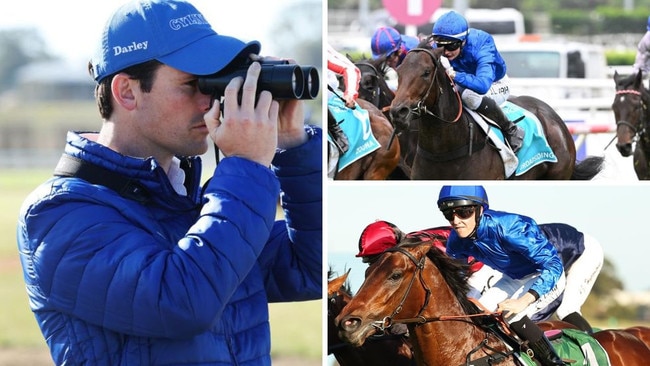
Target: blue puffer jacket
<point>512,244</point>
<point>479,64</point>
<point>180,280</point>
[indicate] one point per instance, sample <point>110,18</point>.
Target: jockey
<point>581,254</point>
<point>337,64</point>
<point>514,245</point>
<point>387,42</point>
<point>642,60</point>
<point>472,60</point>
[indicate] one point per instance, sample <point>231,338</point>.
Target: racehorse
<point>417,285</point>
<point>450,146</point>
<point>373,88</point>
<point>632,120</point>
<point>377,350</point>
<point>379,164</point>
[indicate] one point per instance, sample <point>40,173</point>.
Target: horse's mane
<point>455,272</point>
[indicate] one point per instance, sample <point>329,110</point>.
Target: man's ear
<point>123,91</point>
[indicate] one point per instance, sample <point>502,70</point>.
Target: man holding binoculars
<point>126,258</point>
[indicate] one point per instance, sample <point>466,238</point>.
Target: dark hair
<point>144,72</point>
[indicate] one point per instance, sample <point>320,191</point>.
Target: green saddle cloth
<point>576,348</point>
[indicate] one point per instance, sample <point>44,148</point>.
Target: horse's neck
<point>448,341</point>
<point>441,135</point>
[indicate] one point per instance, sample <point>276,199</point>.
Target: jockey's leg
<point>339,137</point>
<point>511,131</point>
<point>543,349</point>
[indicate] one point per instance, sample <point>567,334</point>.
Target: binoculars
<point>283,80</point>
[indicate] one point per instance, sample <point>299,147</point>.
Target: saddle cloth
<point>355,124</point>
<point>575,347</point>
<point>535,149</point>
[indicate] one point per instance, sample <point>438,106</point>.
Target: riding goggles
<point>453,46</point>
<point>463,212</point>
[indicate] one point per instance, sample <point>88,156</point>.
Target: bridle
<point>640,105</point>
<point>421,107</point>
<point>376,92</point>
<point>496,357</point>
<point>388,321</point>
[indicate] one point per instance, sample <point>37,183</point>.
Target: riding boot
<point>339,137</point>
<point>511,131</point>
<point>579,321</point>
<point>542,348</point>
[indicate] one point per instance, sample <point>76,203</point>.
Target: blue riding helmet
<point>455,196</point>
<point>648,26</point>
<point>385,41</point>
<point>450,27</point>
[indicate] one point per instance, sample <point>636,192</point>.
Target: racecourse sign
<point>411,12</point>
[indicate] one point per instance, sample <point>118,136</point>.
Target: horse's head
<point>383,350</point>
<point>630,110</point>
<point>422,82</point>
<point>373,86</point>
<point>401,285</point>
<point>338,295</point>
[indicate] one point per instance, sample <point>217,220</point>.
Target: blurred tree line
<point>19,47</point>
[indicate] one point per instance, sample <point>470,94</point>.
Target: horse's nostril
<point>350,324</point>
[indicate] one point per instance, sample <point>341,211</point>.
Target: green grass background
<point>296,328</point>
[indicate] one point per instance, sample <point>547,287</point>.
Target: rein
<point>421,106</point>
<point>490,359</point>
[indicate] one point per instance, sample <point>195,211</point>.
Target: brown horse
<point>379,164</point>
<point>377,350</point>
<point>632,121</point>
<point>373,88</point>
<point>451,146</point>
<point>418,285</point>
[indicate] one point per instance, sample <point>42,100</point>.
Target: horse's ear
<point>638,80</point>
<point>335,284</point>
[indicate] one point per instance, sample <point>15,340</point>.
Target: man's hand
<point>247,130</point>
<point>448,68</point>
<point>291,124</point>
<point>512,307</point>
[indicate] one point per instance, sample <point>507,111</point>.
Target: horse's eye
<point>395,276</point>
